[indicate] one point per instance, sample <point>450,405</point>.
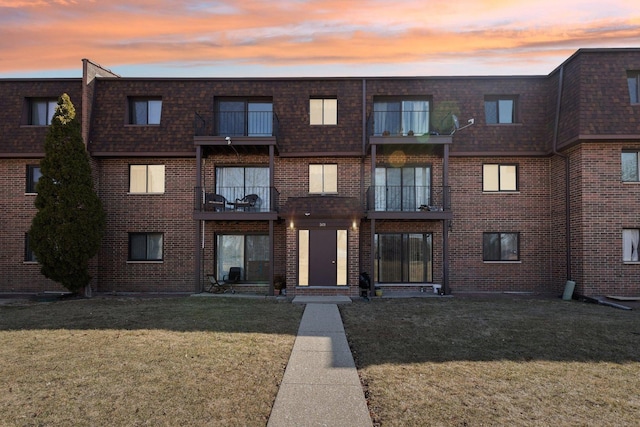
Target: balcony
<point>242,127</point>
<point>236,203</point>
<point>394,127</point>
<point>409,202</point>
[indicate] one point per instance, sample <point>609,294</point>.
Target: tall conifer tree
<point>69,225</point>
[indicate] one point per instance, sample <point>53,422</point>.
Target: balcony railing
<point>236,199</point>
<point>385,198</point>
<point>237,123</point>
<point>398,123</point>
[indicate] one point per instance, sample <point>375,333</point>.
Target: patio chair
<point>247,202</point>
<point>226,285</point>
<point>214,202</point>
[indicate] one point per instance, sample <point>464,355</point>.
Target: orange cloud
<point>57,34</point>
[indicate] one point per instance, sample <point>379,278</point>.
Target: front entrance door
<point>322,257</point>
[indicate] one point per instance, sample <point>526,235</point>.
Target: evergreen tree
<point>68,227</point>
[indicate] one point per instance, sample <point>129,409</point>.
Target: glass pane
<point>415,117</point>
<point>34,177</point>
<point>51,110</point>
<point>315,179</point>
<point>330,111</point>
<point>230,183</point>
<point>491,112</point>
<point>330,178</point>
<point>509,247</point>
<point>505,107</point>
<point>155,111</point>
<point>380,193</point>
<point>415,258</point>
<point>423,186</point>
<point>156,178</point>
<point>138,179</point>
<point>138,247</point>
<point>394,189</point>
<point>230,253</point>
<point>154,246</point>
<point>630,240</point>
<point>257,258</point>
<point>260,119</point>
<point>491,246</point>
<point>632,81</point>
<point>315,111</point>
<point>140,112</point>
<point>387,118</point>
<point>409,189</point>
<point>390,258</point>
<point>342,258</point>
<point>490,178</point>
<point>39,113</point>
<point>231,118</point>
<point>508,181</point>
<point>303,258</point>
<point>257,182</point>
<point>630,166</point>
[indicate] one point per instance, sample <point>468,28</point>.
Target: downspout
<point>567,189</point>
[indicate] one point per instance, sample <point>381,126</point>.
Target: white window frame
<point>630,240</point>
<point>153,176</point>
<point>323,178</point>
<point>323,111</point>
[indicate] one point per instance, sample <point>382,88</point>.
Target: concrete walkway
<point>321,386</point>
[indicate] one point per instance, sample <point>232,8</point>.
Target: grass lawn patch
<point>506,361</point>
<point>161,362</point>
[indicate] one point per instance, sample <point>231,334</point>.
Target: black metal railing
<point>386,198</point>
<point>239,199</point>
<point>237,123</point>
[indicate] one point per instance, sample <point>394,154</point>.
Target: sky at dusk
<point>299,38</point>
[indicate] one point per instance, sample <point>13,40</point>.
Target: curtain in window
<point>415,117</point>
<point>155,111</point>
<point>403,258</point>
<point>402,189</point>
<point>155,179</point>
<point>257,258</point>
<point>235,183</point>
<point>140,112</point>
<point>39,113</point>
<point>154,246</point>
<point>257,182</point>
<point>509,247</point>
<point>389,256</point>
<point>630,239</point>
<point>386,118</point>
<point>629,166</point>
<point>230,183</point>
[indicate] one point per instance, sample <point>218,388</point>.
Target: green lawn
<point>157,362</point>
<point>496,362</point>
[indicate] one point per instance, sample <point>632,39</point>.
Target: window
<point>145,246</point>
<point>633,80</point>
<point>249,252</point>
<point>402,189</point>
<point>144,111</point>
<point>41,111</point>
<point>323,179</point>
<point>146,179</point>
<point>403,258</point>
<point>29,255</point>
<point>630,239</point>
<point>236,182</point>
<point>499,177</point>
<point>501,247</point>
<point>33,176</point>
<point>401,117</point>
<point>500,109</point>
<point>245,118</point>
<point>323,111</point>
<point>630,168</point>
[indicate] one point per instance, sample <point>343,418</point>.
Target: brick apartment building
<point>473,184</point>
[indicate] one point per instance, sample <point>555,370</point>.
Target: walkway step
<point>311,299</point>
<point>320,386</point>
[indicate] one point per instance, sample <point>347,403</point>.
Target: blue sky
<point>291,38</point>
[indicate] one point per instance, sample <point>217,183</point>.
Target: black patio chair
<point>246,203</point>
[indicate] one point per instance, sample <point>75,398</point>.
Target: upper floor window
<point>402,189</point>
<point>145,111</point>
<point>243,117</point>
<point>633,80</point>
<point>630,169</point>
<point>33,176</point>
<point>501,246</point>
<point>323,179</point>
<point>401,116</point>
<point>145,246</point>
<point>146,178</point>
<point>499,177</point>
<point>500,109</point>
<point>323,111</point>
<point>41,111</point>
<point>630,240</point>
